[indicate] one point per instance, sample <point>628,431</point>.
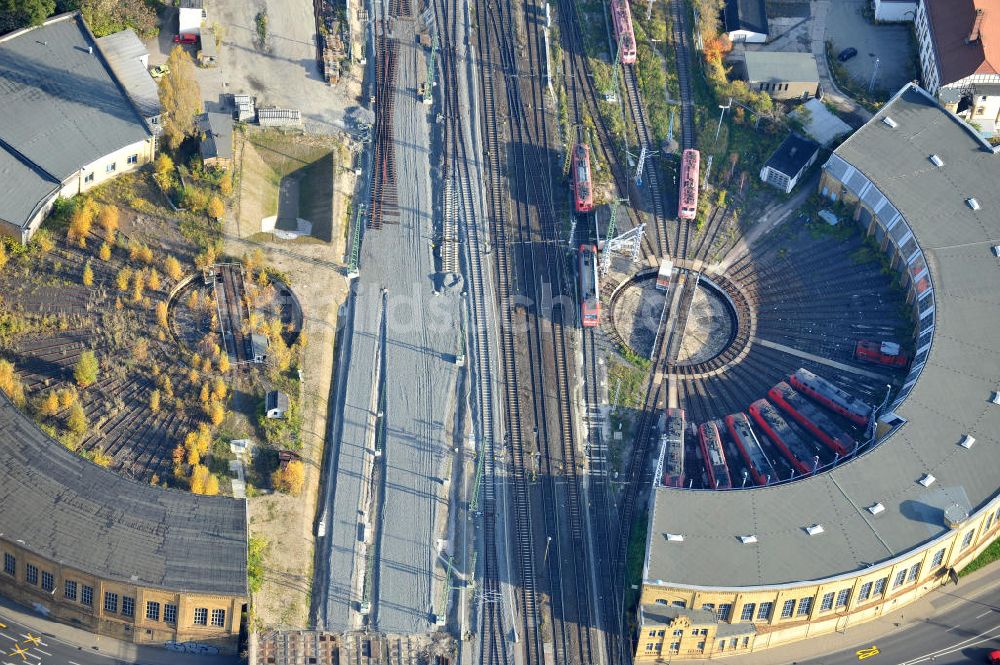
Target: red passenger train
<point>880,353</point>
<point>583,187</point>
<point>715,458</point>
<point>673,449</point>
<point>830,396</point>
<point>590,302</point>
<point>687,204</point>
<point>621,15</point>
<point>809,416</point>
<point>750,450</point>
<point>784,437</point>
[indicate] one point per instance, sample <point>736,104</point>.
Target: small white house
<point>788,163</point>
<point>190,15</point>
<point>275,404</point>
<point>895,11</point>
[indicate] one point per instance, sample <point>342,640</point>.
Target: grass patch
<point>637,360</point>
<point>634,560</point>
<point>631,380</point>
<point>990,555</point>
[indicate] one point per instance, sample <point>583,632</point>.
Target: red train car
<point>830,396</point>
<point>715,459</point>
<point>621,16</point>
<point>788,442</point>
<point>809,416</point>
<point>583,187</point>
<point>880,353</point>
<point>750,450</point>
<point>687,204</point>
<point>673,448</point>
<point>590,301</point>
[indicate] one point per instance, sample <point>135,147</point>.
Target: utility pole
<point>871,84</point>
<point>722,114</point>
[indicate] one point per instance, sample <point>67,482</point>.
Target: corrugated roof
<point>59,105</point>
<point>949,400</point>
<point>69,510</point>
<point>951,23</point>
<point>124,52</point>
<point>218,139</point>
<point>780,66</point>
<point>748,15</point>
<point>793,154</point>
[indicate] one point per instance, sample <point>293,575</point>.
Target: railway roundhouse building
<point>86,546</point>
<point>744,570</point>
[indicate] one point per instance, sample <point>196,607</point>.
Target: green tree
<point>256,551</point>
<point>181,98</point>
<point>85,372</point>
<point>16,14</point>
<point>107,16</point>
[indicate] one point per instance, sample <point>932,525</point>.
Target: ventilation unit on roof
<point>889,121</point>
<point>675,537</point>
<point>996,251</point>
<point>996,398</point>
<point>748,540</point>
<point>973,203</point>
<point>814,530</point>
<point>937,161</point>
<point>875,508</point>
<point>967,441</point>
<point>927,480</point>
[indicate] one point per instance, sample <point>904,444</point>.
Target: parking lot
<point>891,45</point>
<point>282,71</point>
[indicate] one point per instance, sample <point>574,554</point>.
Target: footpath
<point>984,583</point>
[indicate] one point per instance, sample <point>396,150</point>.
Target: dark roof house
<point>791,159</point>
<point>745,20</point>
<point>217,138</point>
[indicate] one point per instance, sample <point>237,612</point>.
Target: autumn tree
<point>193,457</point>
<point>104,253</point>
<point>10,383</point>
<point>3,255</point>
<point>290,479</point>
<point>199,479</point>
<point>88,275</point>
<point>180,97</point>
<point>86,368</point>
<point>226,184</point>
<point>123,277</point>
<point>153,281</point>
<point>206,393</point>
<point>161,315</point>
<point>49,405</point>
<point>219,389</point>
<point>163,166</point>
<point>224,363</point>
<point>168,387</point>
<point>108,219</point>
<point>77,420</point>
<point>154,400</point>
<point>216,413</point>
<point>216,208</point>
<point>173,268</point>
<point>138,285</point>
<point>101,458</point>
<point>108,16</point>
<point>67,397</point>
<point>81,221</point>
<point>212,485</point>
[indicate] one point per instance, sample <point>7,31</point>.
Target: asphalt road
<point>964,635</point>
<point>18,644</point>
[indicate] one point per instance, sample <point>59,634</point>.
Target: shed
<point>745,21</point>
<point>278,117</point>
<point>245,107</point>
<point>788,163</point>
<point>217,139</point>
<point>783,75</point>
<point>275,404</point>
<point>258,347</point>
<point>208,56</point>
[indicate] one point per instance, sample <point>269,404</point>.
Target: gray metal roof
<point>218,130</point>
<point>125,52</point>
<point>777,66</point>
<point>949,400</point>
<point>69,510</point>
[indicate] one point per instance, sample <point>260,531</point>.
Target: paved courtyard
<point>891,44</point>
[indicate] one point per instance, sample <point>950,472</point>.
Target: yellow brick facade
<point>791,612</point>
<point>140,614</point>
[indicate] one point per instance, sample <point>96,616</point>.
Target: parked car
<point>159,71</point>
<point>847,54</point>
<point>191,38</point>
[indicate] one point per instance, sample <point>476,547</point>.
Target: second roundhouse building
<point>744,570</point>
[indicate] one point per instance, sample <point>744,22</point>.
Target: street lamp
<point>722,114</point>
<point>871,84</point>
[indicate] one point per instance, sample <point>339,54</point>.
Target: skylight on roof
<point>937,161</point>
<point>675,537</point>
<point>967,441</point>
<point>972,203</point>
<point>814,530</point>
<point>889,121</point>
<point>996,398</point>
<point>875,508</point>
<point>927,480</point>
<point>748,540</point>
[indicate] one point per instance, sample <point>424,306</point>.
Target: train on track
<point>583,186</point>
<point>672,443</point>
<point>750,449</point>
<point>715,459</point>
<point>809,416</point>
<point>590,297</point>
<point>880,353</point>
<point>687,202</point>
<point>830,396</point>
<point>664,274</point>
<point>621,16</point>
<point>784,437</point>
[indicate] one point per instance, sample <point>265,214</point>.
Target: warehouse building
<point>787,562</point>
<point>67,121</point>
<point>88,547</point>
<point>782,75</point>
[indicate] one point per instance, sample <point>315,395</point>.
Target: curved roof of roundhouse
<point>951,398</point>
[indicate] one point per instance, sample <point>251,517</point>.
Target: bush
<point>77,420</point>
<point>256,551</point>
<point>104,253</point>
<point>108,219</point>
<point>10,383</point>
<point>216,208</point>
<point>173,268</point>
<point>88,275</point>
<point>86,369</point>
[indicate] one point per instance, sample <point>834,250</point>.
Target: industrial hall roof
<point>964,44</point>
<point>950,399</point>
<point>71,511</point>
<point>748,15</point>
<point>61,108</point>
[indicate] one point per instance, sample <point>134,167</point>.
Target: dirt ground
<point>316,270</point>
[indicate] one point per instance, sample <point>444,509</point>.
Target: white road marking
<point>8,637</point>
<point>42,651</point>
<point>985,636</point>
<point>984,614</point>
<point>72,662</point>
